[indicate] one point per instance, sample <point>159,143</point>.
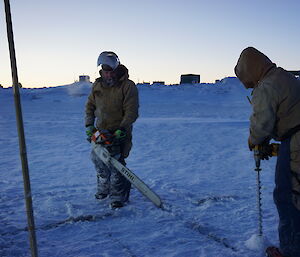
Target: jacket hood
<point>121,72</point>
<point>252,66</point>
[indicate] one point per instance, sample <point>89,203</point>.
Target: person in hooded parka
<point>112,106</point>
<point>276,115</point>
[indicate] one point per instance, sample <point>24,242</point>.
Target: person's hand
<point>120,134</point>
<point>90,130</point>
<point>265,151</point>
<point>250,145</point>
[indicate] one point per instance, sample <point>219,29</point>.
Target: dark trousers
<point>289,216</point>
<point>110,181</point>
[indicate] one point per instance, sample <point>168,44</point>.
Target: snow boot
<point>100,196</point>
<point>273,251</point>
<point>116,205</point>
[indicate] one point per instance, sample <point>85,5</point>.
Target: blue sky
<point>157,40</point>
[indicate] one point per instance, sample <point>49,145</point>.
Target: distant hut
<point>84,78</point>
<point>158,83</point>
<point>189,79</point>
<point>143,84</point>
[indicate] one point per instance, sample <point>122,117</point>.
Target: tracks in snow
<point>196,226</point>
<point>193,225</point>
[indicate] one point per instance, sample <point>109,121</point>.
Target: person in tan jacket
<point>276,115</point>
<point>113,105</point>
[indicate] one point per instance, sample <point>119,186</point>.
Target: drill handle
<point>275,149</point>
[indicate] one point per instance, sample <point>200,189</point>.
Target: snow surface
<point>190,147</point>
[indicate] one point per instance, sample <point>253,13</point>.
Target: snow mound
<point>257,243</point>
<point>227,86</point>
<point>79,89</point>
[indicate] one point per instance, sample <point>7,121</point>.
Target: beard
<point>110,82</point>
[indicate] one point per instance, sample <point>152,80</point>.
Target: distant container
<point>84,78</point>
<point>189,79</point>
<point>158,83</point>
<point>143,84</point>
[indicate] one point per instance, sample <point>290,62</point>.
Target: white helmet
<point>108,58</point>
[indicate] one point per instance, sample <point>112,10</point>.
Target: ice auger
<point>274,147</point>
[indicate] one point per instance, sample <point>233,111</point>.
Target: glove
<point>265,151</point>
<point>90,130</point>
<point>120,134</point>
<point>250,145</point>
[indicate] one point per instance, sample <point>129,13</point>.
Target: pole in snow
<point>20,127</point>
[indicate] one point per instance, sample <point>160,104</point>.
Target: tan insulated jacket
<point>114,107</point>
<point>276,105</point>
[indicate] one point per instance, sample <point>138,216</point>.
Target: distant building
<point>158,83</point>
<point>189,79</point>
<point>84,78</point>
<point>143,84</point>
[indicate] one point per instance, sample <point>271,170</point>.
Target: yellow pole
<point>20,127</point>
